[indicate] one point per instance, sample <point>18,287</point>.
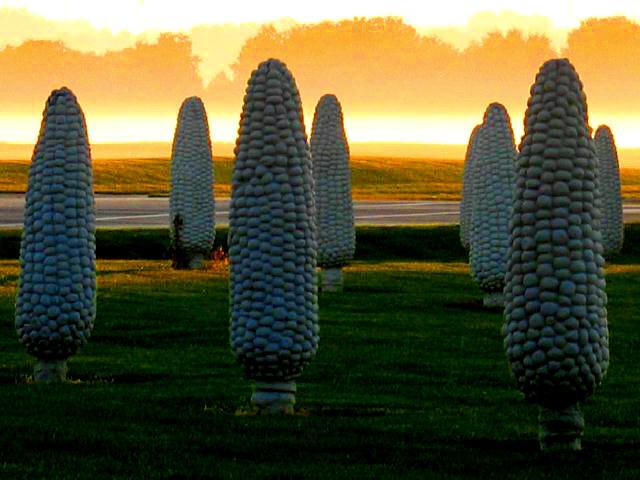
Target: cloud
<point>482,23</point>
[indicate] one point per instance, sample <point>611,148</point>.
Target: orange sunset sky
<point>405,71</point>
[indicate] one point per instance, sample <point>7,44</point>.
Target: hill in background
<point>629,157</point>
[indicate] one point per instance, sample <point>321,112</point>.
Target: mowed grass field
<point>387,178</point>
<point>372,177</point>
<point>410,381</point>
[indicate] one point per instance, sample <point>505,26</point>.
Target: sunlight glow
<point>428,129</point>
<point>442,129</point>
<point>112,129</point>
<point>139,15</point>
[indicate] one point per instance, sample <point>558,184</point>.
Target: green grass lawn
<point>120,176</point>
<point>373,177</point>
<point>410,382</point>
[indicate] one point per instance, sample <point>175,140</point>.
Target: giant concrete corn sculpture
<point>466,201</point>
<point>555,328</point>
<point>493,178</point>
<point>56,303</point>
<point>609,176</point>
<point>272,240</point>
<point>332,177</point>
<point>192,221</point>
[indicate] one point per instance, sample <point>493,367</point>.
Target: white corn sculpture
<point>556,335</point>
<point>493,179</point>
<point>56,303</point>
<point>334,206</point>
<point>466,200</point>
<point>609,176</point>
<point>272,241</point>
<point>192,206</point>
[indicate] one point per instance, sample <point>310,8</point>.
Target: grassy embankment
<point>373,177</point>
<point>410,380</point>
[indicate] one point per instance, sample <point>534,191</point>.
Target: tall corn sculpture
<point>555,329</point>
<point>493,179</point>
<point>609,175</point>
<point>466,201</point>
<point>56,303</point>
<point>334,206</point>
<point>192,207</point>
<point>272,241</point>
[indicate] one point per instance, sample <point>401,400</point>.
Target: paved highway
<point>143,211</point>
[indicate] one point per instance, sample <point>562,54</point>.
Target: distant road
<point>144,211</point>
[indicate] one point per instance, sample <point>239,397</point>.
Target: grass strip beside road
<point>373,178</point>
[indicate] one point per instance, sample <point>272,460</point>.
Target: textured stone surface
<point>56,307</point>
<point>332,280</point>
<point>191,205</point>
<point>50,371</point>
<point>493,179</point>
<point>272,232</point>
<point>561,429</point>
<point>274,398</point>
<point>332,177</point>
<point>609,176</point>
<point>466,200</point>
<point>555,330</point>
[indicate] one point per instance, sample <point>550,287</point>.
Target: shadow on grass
<point>351,412</point>
<point>16,379</point>
<point>368,289</point>
<point>146,269</point>
<point>26,378</point>
<point>473,305</point>
<point>122,378</point>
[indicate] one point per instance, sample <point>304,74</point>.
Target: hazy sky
<point>139,15</point>
<point>218,30</point>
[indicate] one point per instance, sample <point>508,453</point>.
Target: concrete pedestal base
<point>182,260</point>
<point>561,430</point>
<point>274,398</point>
<point>332,280</point>
<point>493,299</point>
<point>50,371</point>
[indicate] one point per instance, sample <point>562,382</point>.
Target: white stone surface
<point>332,177</point>
<point>272,232</point>
<point>466,200</point>
<point>56,303</point>
<point>555,330</point>
<point>191,204</point>
<point>561,429</point>
<point>493,181</point>
<point>332,280</point>
<point>609,175</point>
<point>274,398</point>
<point>54,371</point>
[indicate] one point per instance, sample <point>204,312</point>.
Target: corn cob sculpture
<point>192,207</point>
<point>272,241</point>
<point>555,329</point>
<point>56,302</point>
<point>609,175</point>
<point>467,188</point>
<point>334,206</point>
<point>493,179</point>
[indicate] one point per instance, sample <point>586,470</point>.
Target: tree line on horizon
<point>379,64</point>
